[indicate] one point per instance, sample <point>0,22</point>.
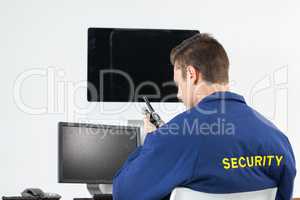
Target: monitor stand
<point>100,194</point>
<point>94,189</point>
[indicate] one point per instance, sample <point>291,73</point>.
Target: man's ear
<point>193,74</point>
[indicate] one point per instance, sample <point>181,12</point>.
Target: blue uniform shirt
<point>219,146</point>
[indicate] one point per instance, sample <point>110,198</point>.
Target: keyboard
<point>28,198</point>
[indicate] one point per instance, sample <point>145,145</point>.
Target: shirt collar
<point>227,96</point>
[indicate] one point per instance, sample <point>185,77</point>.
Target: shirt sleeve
<point>288,173</point>
<point>155,170</point>
<point>131,157</point>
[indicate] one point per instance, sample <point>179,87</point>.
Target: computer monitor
<point>92,154</point>
<point>125,64</point>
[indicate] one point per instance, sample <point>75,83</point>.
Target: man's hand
<point>148,126</point>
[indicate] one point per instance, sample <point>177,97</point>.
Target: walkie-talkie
<point>154,117</point>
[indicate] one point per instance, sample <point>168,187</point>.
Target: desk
<point>106,197</point>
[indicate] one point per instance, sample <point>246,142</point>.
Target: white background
<point>261,38</point>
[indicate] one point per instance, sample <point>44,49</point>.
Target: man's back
<point>219,146</point>
<point>242,152</point>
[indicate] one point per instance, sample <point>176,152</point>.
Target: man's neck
<point>209,89</point>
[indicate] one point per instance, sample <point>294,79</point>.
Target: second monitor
<point>92,154</point>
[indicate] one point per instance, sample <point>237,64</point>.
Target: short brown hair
<point>204,53</point>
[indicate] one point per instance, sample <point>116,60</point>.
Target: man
<point>219,145</point>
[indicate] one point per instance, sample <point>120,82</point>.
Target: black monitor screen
<point>93,153</point>
<point>126,64</point>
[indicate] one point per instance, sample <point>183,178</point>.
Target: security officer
<point>218,145</point>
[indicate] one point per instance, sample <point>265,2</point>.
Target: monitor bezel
<point>61,178</point>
